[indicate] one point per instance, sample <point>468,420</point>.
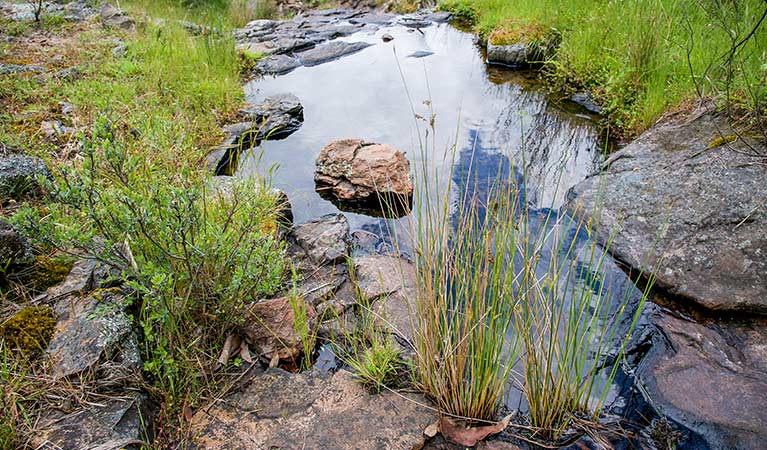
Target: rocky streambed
<point>375,98</point>
<point>691,211</point>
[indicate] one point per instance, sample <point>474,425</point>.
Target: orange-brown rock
<point>357,170</point>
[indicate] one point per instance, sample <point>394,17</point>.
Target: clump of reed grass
<point>507,294</point>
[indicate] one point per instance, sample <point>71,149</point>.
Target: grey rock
<point>277,64</point>
<point>695,213</point>
<point>10,69</point>
<point>112,17</point>
<point>330,51</point>
<point>387,37</point>
<point>120,50</point>
<point>324,240</point>
<point>68,74</point>
<point>375,19</point>
<point>276,117</point>
<point>511,55</point>
<point>92,330</point>
<point>711,378</point>
<point>54,129</point>
<point>67,108</point>
<point>413,22</point>
<point>584,99</point>
<point>327,411</point>
<point>439,16</point>
<point>19,176</point>
<point>420,54</point>
<point>117,422</point>
<point>14,248</point>
<point>80,281</point>
<point>389,284</point>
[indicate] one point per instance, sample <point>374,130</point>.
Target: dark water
<point>450,111</point>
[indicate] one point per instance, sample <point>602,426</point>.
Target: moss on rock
<point>29,330</point>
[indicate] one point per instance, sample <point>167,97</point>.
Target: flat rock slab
<point>325,240</point>
<point>91,329</point>
<point>389,283</point>
<point>330,51</point>
<point>712,378</point>
<point>112,424</point>
<point>696,213</point>
<point>311,410</point>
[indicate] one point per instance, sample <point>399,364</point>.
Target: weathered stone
<point>439,16</point>
<point>9,69</point>
<point>694,213</point>
<point>111,424</point>
<point>113,17</point>
<point>19,176</point>
<point>80,281</point>
<point>712,378</point>
<point>14,248</point>
<point>388,282</point>
<point>92,330</point>
<point>276,117</point>
<point>330,51</point>
<point>512,55</point>
<point>271,329</point>
<point>357,170</point>
<point>324,240</point>
<point>312,410</point>
<point>277,64</point>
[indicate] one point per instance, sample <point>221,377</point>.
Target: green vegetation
<point>29,330</point>
<point>642,58</point>
<point>131,188</point>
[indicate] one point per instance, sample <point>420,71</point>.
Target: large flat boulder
<point>695,211</point>
<point>311,410</point>
<point>20,175</point>
<point>710,377</point>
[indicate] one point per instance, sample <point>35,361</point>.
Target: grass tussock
<point>641,58</point>
<point>511,298</point>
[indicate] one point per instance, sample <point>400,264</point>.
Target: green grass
<point>636,57</point>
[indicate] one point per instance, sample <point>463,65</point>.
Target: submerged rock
<point>691,210</point>
<point>312,410</point>
<point>420,54</point>
<point>353,169</point>
<point>710,377</point>
<point>19,176</point>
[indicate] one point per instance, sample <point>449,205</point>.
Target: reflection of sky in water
<point>364,96</point>
<point>488,123</point>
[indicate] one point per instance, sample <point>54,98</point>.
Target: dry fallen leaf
<point>275,360</point>
<point>245,353</point>
<point>188,413</point>
<point>457,432</point>
<point>232,342</point>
